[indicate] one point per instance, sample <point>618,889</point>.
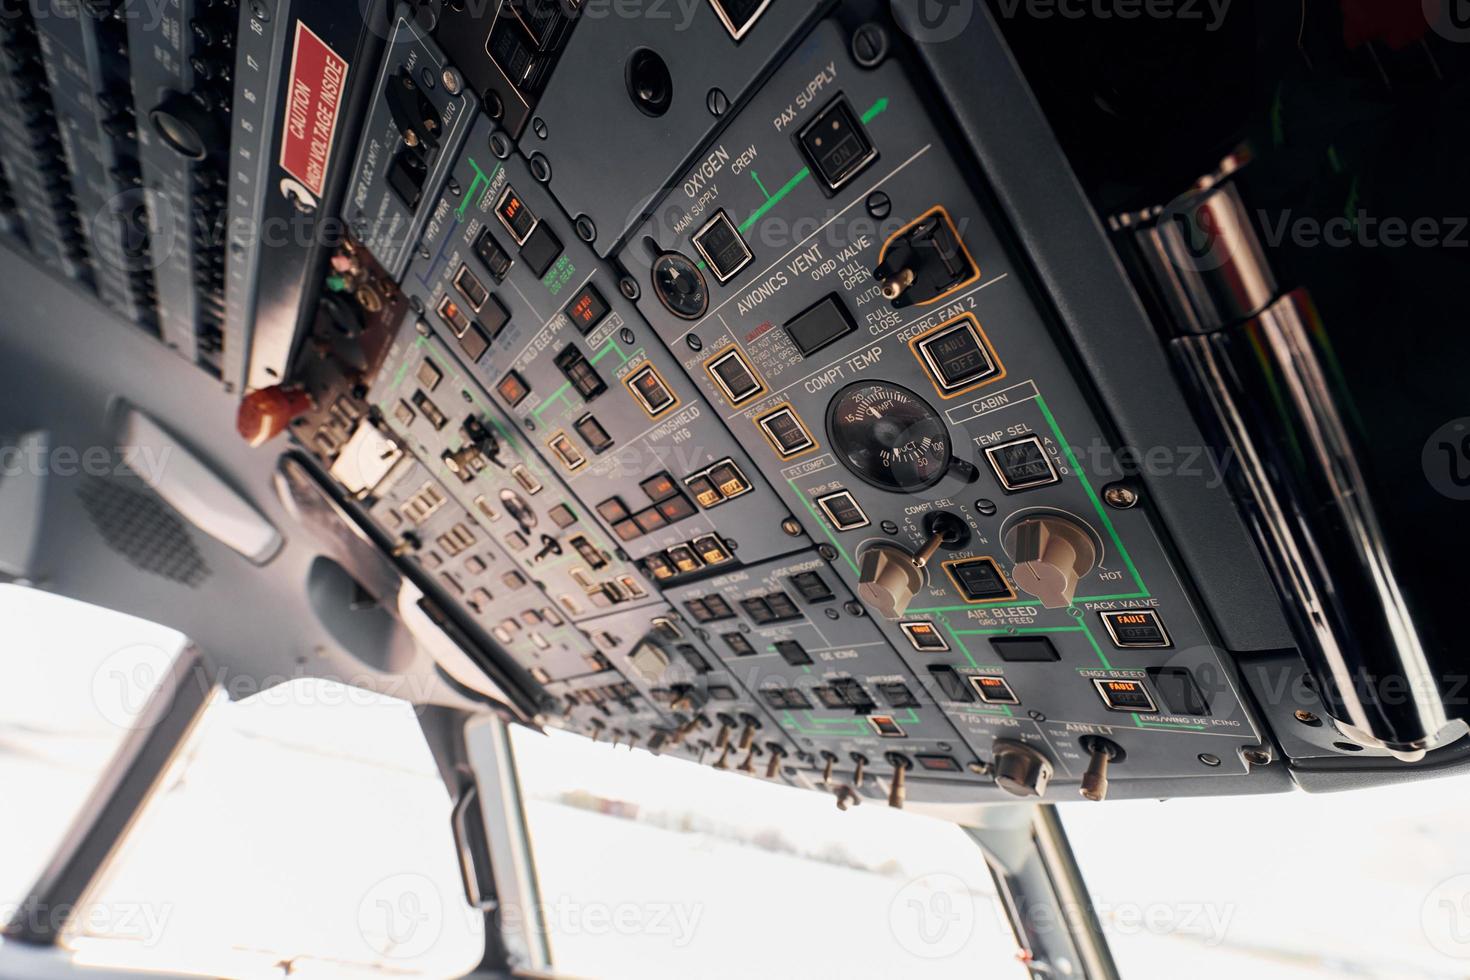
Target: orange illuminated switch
<point>728,478</point>
<point>994,690</point>
<point>885,727</point>
<point>711,549</point>
<point>704,491</point>
<point>1136,628</point>
<point>1125,695</point>
<point>587,309</point>
<point>924,637</point>
<point>516,217</point>
<point>684,559</point>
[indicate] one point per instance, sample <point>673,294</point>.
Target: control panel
<point>688,368</point>
<point>861,326</point>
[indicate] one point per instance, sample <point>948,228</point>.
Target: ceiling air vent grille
<point>141,529</point>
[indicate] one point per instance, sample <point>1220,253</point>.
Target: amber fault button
<point>1136,628</point>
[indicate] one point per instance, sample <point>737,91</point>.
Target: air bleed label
<point>318,81</point>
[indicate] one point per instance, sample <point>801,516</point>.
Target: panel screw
<point>453,82</point>
<point>628,286</point>
<point>1121,496</point>
<point>832,613</point>
<point>986,508</point>
<point>541,168</point>
<point>889,527</point>
<point>538,126</point>
<point>260,10</point>
<point>827,552</point>
<point>422,326</point>
<point>979,768</point>
<point>694,342</point>
<point>854,609</point>
<point>1210,760</point>
<point>626,336</point>
<point>870,45</point>
<point>586,230</point>
<point>500,144</point>
<point>1036,716</point>
<point>1307,718</point>
<point>880,205</point>
<point>718,102</point>
<point>426,78</point>
<point>1257,757</point>
<point>792,527</point>
<point>494,107</point>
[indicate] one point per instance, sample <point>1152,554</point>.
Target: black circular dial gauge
<point>680,286</point>
<point>889,436</point>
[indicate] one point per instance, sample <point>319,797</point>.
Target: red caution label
<point>314,99</point>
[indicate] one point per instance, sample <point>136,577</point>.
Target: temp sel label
<point>318,80</point>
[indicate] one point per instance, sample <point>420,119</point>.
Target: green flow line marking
<point>758,183</point>
<point>611,347</point>
<point>959,643</point>
<point>1093,640</point>
<point>1091,494</point>
<point>825,529</point>
<point>1018,605</point>
<point>1022,629</point>
<point>855,728</point>
<point>775,199</point>
<point>772,200</point>
<point>555,397</point>
<point>419,344</point>
<point>1082,627</point>
<point>474,184</point>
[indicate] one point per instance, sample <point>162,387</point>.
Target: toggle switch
<point>747,735</point>
<point>1103,753</point>
<point>890,577</point>
<point>897,791</point>
<point>727,728</point>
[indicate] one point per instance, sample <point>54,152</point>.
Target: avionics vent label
<point>314,99</point>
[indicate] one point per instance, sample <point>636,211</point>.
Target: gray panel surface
<point>610,161</point>
<point>807,247</point>
<point>681,440</point>
<point>379,218</point>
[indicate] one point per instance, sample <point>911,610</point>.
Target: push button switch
<point>1025,649</point>
<point>1179,691</point>
<point>1136,628</point>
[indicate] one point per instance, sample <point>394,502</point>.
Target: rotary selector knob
<point>890,577</point>
<point>1052,554</point>
<point>889,580</point>
<point>1020,770</point>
